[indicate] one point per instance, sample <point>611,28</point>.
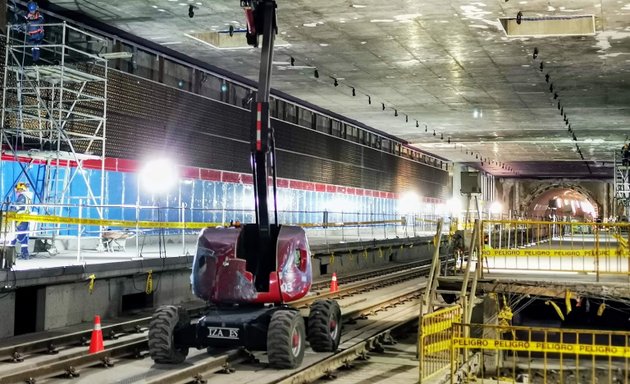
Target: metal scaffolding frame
<point>621,186</point>
<point>54,113</point>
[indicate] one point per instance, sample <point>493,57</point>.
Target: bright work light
<point>159,176</point>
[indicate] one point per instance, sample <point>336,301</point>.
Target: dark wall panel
<point>147,119</point>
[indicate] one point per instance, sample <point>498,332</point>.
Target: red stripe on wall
<point>128,165</point>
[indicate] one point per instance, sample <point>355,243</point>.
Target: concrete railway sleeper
<point>70,365</point>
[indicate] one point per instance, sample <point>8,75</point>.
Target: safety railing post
<point>183,221</point>
<point>384,227</point>
<point>79,228</point>
<point>326,227</point>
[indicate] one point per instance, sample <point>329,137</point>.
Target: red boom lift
<point>249,274</point>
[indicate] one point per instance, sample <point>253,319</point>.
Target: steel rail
<point>362,286</point>
<point>52,344</point>
<point>70,366</point>
<point>197,373</point>
<point>359,350</point>
<point>324,284</point>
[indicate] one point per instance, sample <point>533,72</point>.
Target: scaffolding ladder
<point>621,186</point>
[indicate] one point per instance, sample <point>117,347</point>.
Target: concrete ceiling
<point>446,63</point>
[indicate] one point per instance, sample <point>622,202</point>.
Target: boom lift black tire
<point>286,339</point>
<point>162,345</point>
<point>324,326</point>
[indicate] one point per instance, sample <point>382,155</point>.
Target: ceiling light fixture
<point>441,136</point>
<point>395,112</point>
<point>191,11</point>
<point>519,18</point>
<point>406,119</point>
<point>354,92</point>
<point>555,95</point>
<point>417,124</point>
<point>535,54</point>
<point>369,100</point>
<point>316,73</point>
<point>547,78</point>
<point>336,83</point>
<point>542,66</point>
<point>551,88</point>
<point>434,132</point>
<point>292,61</point>
<point>383,106</point>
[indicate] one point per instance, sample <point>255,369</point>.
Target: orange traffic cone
<point>96,342</point>
<point>334,287</point>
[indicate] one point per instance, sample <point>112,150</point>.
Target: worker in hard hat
<point>23,200</point>
<point>34,28</point>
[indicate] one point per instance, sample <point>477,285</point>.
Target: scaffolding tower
<point>53,122</point>
<point>621,186</point>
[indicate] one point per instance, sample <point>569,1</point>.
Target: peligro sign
<point>539,346</point>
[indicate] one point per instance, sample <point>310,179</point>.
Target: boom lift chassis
<point>249,274</point>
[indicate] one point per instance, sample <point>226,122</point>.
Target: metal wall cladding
<point>327,159</point>
<point>147,118</point>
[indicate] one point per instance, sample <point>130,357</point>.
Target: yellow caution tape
<point>12,216</point>
<point>49,219</point>
<point>603,252</point>
<point>555,306</point>
<point>92,277</point>
<point>332,257</point>
<point>540,346</point>
<point>601,309</point>
<point>149,286</point>
<point>567,301</point>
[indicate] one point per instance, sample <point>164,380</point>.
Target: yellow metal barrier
<point>600,248</point>
<point>434,340</point>
<point>546,355</point>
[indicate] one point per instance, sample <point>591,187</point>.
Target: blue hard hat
<point>32,6</point>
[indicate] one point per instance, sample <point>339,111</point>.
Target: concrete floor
<point>147,247</point>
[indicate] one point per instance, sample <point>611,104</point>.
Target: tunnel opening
<point>564,204</point>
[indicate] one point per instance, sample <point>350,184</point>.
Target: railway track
<point>132,342</point>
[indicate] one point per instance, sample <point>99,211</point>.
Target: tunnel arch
<point>572,200</point>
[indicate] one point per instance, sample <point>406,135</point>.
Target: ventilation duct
<point>549,26</point>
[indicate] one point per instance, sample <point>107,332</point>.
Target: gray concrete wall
<point>358,260</point>
<point>68,304</point>
<point>7,314</point>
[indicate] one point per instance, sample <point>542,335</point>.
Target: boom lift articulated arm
<point>261,20</point>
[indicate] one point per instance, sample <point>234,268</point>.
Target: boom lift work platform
<point>249,274</point>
